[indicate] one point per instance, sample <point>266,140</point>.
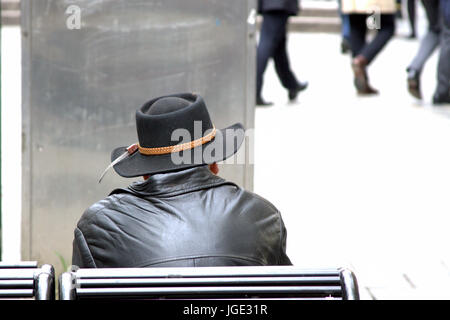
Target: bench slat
<point>270,271</point>
<point>235,291</point>
<point>16,284</point>
<point>19,265</point>
<point>216,281</point>
<point>7,293</point>
<point>10,274</point>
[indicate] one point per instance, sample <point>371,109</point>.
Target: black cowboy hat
<point>175,132</point>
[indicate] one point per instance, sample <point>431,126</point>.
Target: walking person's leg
<point>412,17</point>
<point>384,34</point>
<point>369,52</point>
<point>282,65</point>
<point>358,30</point>
<point>442,93</point>
<point>345,29</point>
<point>268,43</point>
<point>427,46</point>
<point>283,68</point>
<point>431,39</point>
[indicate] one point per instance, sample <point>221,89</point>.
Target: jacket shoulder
<point>260,200</point>
<point>98,209</point>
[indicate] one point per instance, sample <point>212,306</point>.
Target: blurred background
<point>361,181</point>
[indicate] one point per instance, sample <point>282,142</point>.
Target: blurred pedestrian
<point>427,46</point>
<point>364,14</point>
<point>442,93</point>
<point>273,44</point>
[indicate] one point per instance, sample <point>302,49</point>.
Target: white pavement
<point>360,182</point>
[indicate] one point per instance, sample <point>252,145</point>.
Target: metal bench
<point>278,282</point>
<point>25,280</point>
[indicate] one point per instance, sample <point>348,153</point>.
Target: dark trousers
<point>358,32</point>
<point>431,40</point>
<point>345,23</point>
<point>272,44</point>
<point>433,16</point>
<point>412,15</point>
<point>443,74</point>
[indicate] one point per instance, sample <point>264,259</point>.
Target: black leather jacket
<point>180,219</point>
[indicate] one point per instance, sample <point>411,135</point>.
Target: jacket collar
<point>174,183</point>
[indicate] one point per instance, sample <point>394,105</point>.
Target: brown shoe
<point>361,80</point>
<point>414,83</point>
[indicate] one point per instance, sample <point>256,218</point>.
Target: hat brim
<point>223,146</point>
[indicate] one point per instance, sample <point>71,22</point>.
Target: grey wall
<point>81,88</point>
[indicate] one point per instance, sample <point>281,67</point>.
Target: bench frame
<point>131,282</point>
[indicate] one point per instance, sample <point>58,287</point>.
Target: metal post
<point>88,112</point>
<point>67,286</point>
<point>349,285</point>
<point>45,283</point>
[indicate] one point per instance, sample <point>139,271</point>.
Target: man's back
<point>180,219</point>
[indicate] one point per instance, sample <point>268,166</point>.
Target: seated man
<point>182,214</point>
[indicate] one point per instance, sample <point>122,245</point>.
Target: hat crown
<point>167,105</point>
<point>157,119</point>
